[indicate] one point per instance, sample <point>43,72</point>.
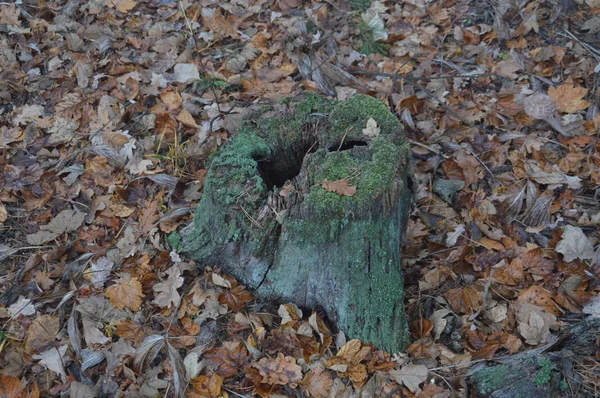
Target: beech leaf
<point>340,187</point>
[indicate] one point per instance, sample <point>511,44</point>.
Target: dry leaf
<point>126,292</point>
<point>167,294</point>
<point>65,221</point>
<point>317,382</point>
<point>340,187</point>
<point>410,375</point>
<point>574,244</point>
<point>42,331</point>
<point>187,119</point>
<point>371,130</point>
<point>281,370</point>
<point>506,69</point>
<point>533,328</point>
<point>569,98</point>
<point>10,386</point>
<point>55,359</point>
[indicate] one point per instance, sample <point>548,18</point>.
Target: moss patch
<point>277,138</point>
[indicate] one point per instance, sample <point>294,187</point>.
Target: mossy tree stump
<point>266,218</point>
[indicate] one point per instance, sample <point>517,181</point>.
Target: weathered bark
<point>307,245</point>
<point>567,367</point>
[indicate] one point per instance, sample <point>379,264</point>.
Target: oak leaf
<point>167,294</point>
<point>126,292</point>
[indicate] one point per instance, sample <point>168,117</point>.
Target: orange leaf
<point>206,386</point>
<point>568,98</point>
<point>340,187</point>
<point>10,386</point>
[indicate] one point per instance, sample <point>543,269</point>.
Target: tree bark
<point>566,367</point>
<point>267,218</point>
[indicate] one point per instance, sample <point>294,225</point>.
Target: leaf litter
<point>112,109</point>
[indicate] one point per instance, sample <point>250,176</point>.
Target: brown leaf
<point>42,331</point>
<point>281,370</point>
<point>568,98</point>
<point>317,382</point>
<point>126,292</point>
<point>538,296</point>
<point>340,187</point>
<point>187,119</point>
<point>132,89</point>
<point>236,298</point>
<point>464,300</point>
<point>167,294</point>
<point>206,386</point>
<point>230,358</point>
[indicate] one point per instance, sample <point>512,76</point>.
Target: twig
<point>430,149</point>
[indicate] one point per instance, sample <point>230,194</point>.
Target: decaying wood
<point>267,218</point>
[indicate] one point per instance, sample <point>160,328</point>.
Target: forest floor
<point>110,110</point>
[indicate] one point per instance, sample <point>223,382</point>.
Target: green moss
<point>491,379</point>
<point>563,385</point>
<point>233,178</point>
<point>374,176</point>
<point>174,240</point>
<point>350,117</point>
<point>544,375</point>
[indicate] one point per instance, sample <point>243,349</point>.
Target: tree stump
<point>567,367</point>
<point>305,204</point>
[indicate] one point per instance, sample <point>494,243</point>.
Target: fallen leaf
<point>186,72</point>
<point>340,187</point>
<point>22,307</point>
<point>187,119</point>
<point>42,331</point>
<point>55,359</point>
<point>506,69</point>
<point>65,221</point>
<point>281,370</point>
<point>317,382</point>
<point>568,98</point>
<point>574,244</point>
<point>533,328</point>
<point>10,386</point>
<point>371,130</point>
<point>126,292</point>
<point>411,376</point>
<point>206,386</point>
<point>167,294</point>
